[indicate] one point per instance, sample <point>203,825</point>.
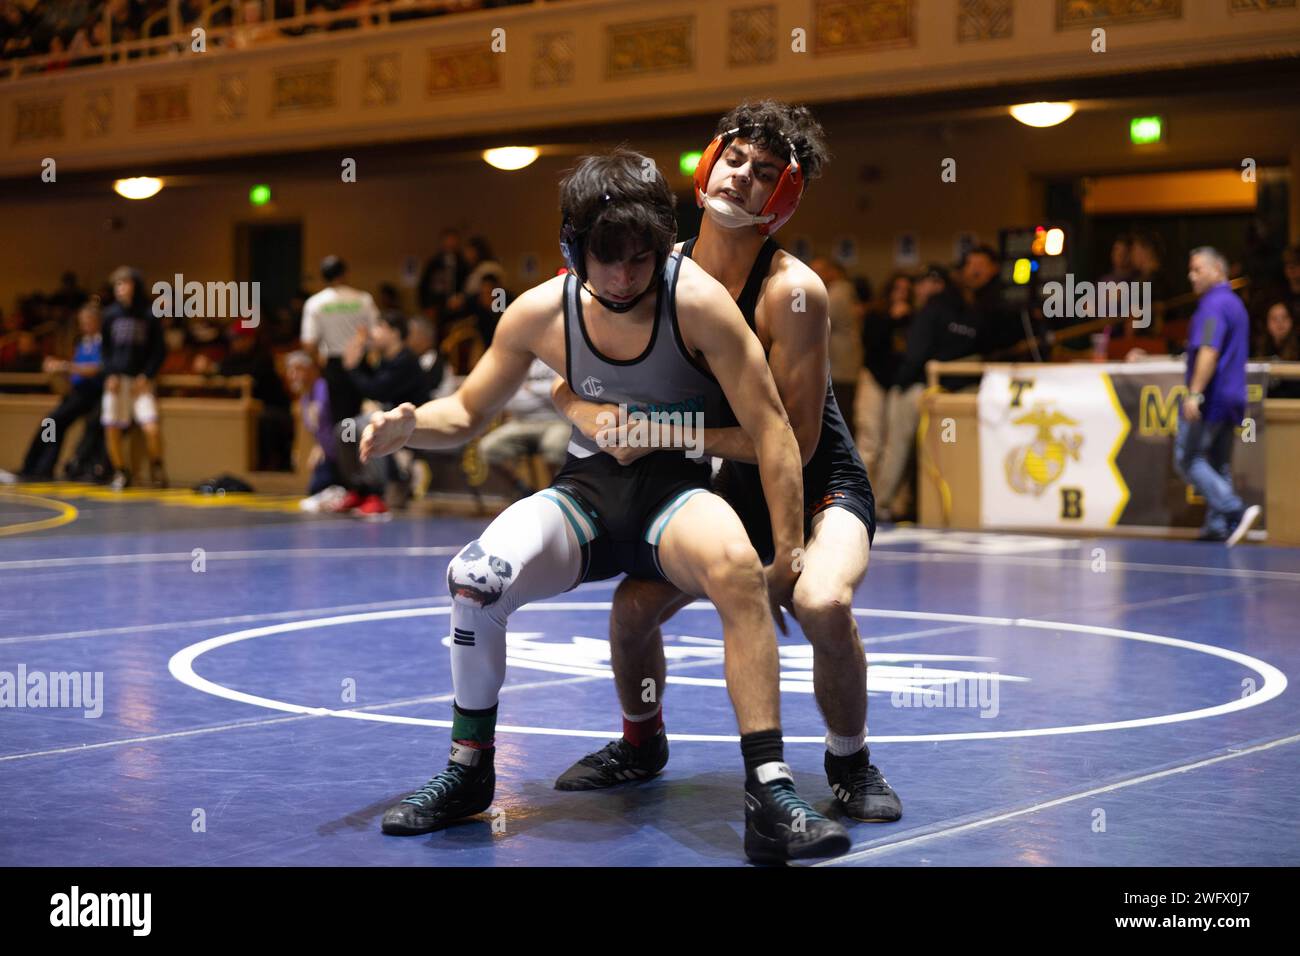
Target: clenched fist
<point>387,431</point>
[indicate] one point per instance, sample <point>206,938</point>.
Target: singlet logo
<point>591,387</point>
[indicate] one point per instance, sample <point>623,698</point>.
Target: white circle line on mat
<point>181,666</point>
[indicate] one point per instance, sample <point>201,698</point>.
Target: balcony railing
<point>231,25</point>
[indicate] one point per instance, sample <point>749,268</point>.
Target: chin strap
<point>730,215</point>
<point>619,306</point>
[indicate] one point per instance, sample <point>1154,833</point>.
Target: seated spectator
<point>532,427</point>
<point>180,357</point>
<point>420,340</point>
<point>440,381</point>
<point>85,373</point>
<point>476,297</point>
<point>26,355</point>
<point>487,306</point>
<point>57,46</point>
<point>249,356</point>
<point>396,378</point>
<point>482,266</point>
<point>1280,342</point>
<point>16,29</point>
<point>251,31</point>
<point>11,324</point>
<point>389,298</point>
<point>308,387</point>
<point>207,338</point>
<point>82,48</point>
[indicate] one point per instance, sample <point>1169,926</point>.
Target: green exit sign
<point>1144,130</point>
<point>688,161</point>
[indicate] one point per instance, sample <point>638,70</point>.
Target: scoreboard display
<point>1031,257</point>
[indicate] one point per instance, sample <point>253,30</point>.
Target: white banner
<point>1049,436</point>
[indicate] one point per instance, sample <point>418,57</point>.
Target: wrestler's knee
<point>476,578</point>
<point>824,608</point>
<point>734,573</point>
<point>639,608</point>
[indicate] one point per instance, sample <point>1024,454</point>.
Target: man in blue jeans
<point>1217,348</point>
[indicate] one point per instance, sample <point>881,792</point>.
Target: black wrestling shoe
<point>617,762</point>
<point>459,791</point>
<point>861,790</point>
<point>780,825</point>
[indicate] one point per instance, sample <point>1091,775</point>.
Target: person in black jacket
<point>133,351</point>
<point>442,278</point>
<point>396,378</point>
<point>84,398</point>
<point>884,323</point>
<point>249,355</point>
<point>944,329</point>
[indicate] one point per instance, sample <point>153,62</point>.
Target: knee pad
<point>115,407</point>
<point>145,408</point>
<point>478,579</point>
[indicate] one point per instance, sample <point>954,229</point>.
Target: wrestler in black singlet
<point>835,476</point>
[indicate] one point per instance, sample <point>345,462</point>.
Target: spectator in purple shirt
<point>1217,348</point>
<point>311,391</point>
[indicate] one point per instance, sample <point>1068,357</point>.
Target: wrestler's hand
<point>590,417</point>
<point>613,441</point>
<point>781,578</point>
<point>387,431</point>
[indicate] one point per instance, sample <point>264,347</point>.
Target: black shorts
<point>619,512</point>
<point>846,488</point>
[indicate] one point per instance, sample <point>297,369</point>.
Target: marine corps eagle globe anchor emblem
<point>1031,468</point>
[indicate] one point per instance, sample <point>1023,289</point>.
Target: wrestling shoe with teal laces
<point>462,789</point>
<point>780,825</point>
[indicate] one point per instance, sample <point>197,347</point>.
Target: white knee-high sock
<point>528,553</point>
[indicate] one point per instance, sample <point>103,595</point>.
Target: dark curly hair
<point>618,203</point>
<point>770,123</point>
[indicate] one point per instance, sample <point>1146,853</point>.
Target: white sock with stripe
<point>846,746</point>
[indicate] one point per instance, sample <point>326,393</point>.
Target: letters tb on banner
<point>1091,446</point>
<point>1048,441</point>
